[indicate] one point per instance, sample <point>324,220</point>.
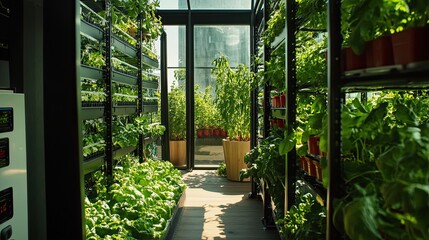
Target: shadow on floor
<point>210,181</point>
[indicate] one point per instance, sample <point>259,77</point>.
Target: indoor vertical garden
<point>130,192</point>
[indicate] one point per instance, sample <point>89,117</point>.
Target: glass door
<point>209,42</point>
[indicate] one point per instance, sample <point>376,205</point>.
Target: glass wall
<point>209,42</point>
<point>176,74</point>
<point>206,4</point>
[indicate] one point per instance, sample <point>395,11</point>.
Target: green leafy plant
<point>138,204</point>
<point>386,188</point>
<point>177,112</point>
<point>221,169</point>
<point>265,163</point>
<point>233,88</point>
<point>304,220</point>
<point>366,20</point>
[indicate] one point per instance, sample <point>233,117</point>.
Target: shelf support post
<point>334,110</point>
<point>109,88</point>
<point>290,61</point>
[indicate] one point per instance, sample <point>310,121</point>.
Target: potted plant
<point>387,30</point>
<point>233,87</point>
<point>177,124</point>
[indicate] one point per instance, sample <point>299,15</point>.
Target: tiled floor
<point>216,208</point>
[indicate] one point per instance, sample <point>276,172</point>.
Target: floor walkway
<point>216,208</point>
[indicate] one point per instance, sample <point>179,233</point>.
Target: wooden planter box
<point>178,153</point>
<point>234,152</point>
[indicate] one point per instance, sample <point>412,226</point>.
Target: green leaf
<point>405,115</point>
<point>361,218</point>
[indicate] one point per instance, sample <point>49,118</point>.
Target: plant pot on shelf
<point>313,145</point>
<point>303,163</point>
<point>411,45</point>
<point>379,52</point>
<point>273,123</point>
<point>283,100</point>
<point>352,61</point>
<point>280,123</point>
<point>234,152</point>
<point>311,169</point>
<point>178,152</point>
<point>318,170</point>
<point>273,102</point>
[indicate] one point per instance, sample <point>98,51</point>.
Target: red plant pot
<point>211,133</point>
<point>206,132</point>
<point>223,133</point>
<point>200,133</point>
<point>411,45</point>
<point>274,123</point>
<point>278,102</point>
<point>273,102</point>
<point>283,100</point>
<point>303,163</point>
<point>280,123</point>
<point>313,145</point>
<point>381,51</point>
<point>216,132</point>
<point>318,170</point>
<point>311,170</point>
<point>352,61</point>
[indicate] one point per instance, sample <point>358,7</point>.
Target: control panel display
<point>4,152</point>
<point>6,205</point>
<point>6,120</point>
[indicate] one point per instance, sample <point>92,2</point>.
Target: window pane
<point>233,41</point>
<point>220,4</point>
<point>206,4</point>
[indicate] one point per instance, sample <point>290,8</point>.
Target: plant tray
<point>172,222</point>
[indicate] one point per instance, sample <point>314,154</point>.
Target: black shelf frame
<point>291,91</point>
<point>110,108</point>
<point>91,30</point>
<point>89,72</point>
<point>92,112</point>
<point>93,164</point>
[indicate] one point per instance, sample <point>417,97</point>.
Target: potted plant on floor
<point>177,124</point>
<point>233,88</point>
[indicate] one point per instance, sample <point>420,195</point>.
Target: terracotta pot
<point>223,133</point>
<point>280,123</point>
<point>352,60</point>
<point>283,100</point>
<point>211,132</point>
<point>318,170</point>
<point>274,123</point>
<point>411,45</point>
<point>278,102</point>
<point>216,132</point>
<point>206,132</point>
<point>311,169</point>
<point>273,102</point>
<point>313,145</point>
<point>380,52</point>
<point>303,164</point>
<point>200,133</point>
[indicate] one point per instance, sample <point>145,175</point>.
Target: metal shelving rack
<point>261,12</point>
<point>414,76</point>
<point>110,75</point>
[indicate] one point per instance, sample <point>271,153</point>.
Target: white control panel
<point>13,168</point>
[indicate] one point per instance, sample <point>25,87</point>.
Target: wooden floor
<point>216,208</point>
